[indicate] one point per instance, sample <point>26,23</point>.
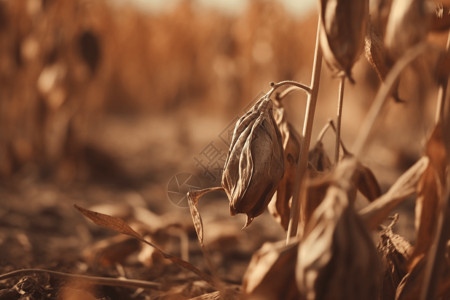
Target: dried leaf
<point>113,223</point>
<point>255,165</point>
<point>279,207</point>
<point>396,252</point>
<point>119,225</point>
<point>430,192</point>
<point>193,197</point>
<point>337,258</point>
<point>343,27</point>
<point>374,213</point>
<point>376,55</point>
<point>271,272</point>
<point>366,182</point>
<point>407,26</point>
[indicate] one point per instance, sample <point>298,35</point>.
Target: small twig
<point>383,94</point>
<point>279,96</point>
<point>339,119</point>
<point>307,132</point>
<point>295,84</point>
<point>92,280</point>
<point>442,93</point>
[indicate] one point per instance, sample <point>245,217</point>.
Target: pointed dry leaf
<point>374,213</point>
<point>430,192</point>
<point>367,183</point>
<point>255,165</point>
<point>271,272</point>
<point>193,197</point>
<point>337,258</point>
<point>109,222</point>
<point>279,207</point>
<point>119,225</point>
<point>407,26</point>
<point>343,27</point>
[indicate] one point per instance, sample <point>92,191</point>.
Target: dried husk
<point>343,27</point>
<point>280,205</point>
<point>395,252</point>
<point>407,26</point>
<point>271,272</point>
<point>337,258</point>
<point>255,162</point>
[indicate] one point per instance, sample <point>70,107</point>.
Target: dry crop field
<point>194,154</point>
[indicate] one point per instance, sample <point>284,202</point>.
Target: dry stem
<point>383,94</point>
<point>92,280</point>
<point>339,119</point>
<point>307,131</point>
<point>442,93</point>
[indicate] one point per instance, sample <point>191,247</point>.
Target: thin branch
<point>92,280</point>
<point>442,93</point>
<point>339,119</point>
<point>279,96</point>
<point>383,94</point>
<point>295,84</point>
<point>307,132</point>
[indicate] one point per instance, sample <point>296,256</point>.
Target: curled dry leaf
<point>343,27</point>
<point>255,162</point>
<point>337,258</point>
<point>407,26</point>
<point>271,272</point>
<point>376,55</point>
<point>279,207</point>
<point>405,186</point>
<point>430,192</point>
<point>395,252</point>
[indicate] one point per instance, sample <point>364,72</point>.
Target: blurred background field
<point>104,102</point>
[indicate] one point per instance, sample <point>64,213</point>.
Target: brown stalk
<point>442,93</point>
<point>307,132</point>
<point>383,94</point>
<point>91,280</point>
<point>339,119</point>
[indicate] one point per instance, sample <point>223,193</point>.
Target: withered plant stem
<point>339,119</point>
<point>383,93</point>
<point>294,84</point>
<point>442,93</point>
<point>436,254</point>
<point>307,132</point>
<point>90,280</point>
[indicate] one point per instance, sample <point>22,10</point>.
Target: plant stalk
<point>442,93</point>
<point>339,119</point>
<point>302,164</point>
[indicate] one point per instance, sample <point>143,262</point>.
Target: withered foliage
<point>255,162</point>
<point>343,25</point>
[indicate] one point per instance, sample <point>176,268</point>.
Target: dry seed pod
<point>343,27</point>
<point>337,258</point>
<point>271,272</point>
<point>406,27</point>
<point>255,164</point>
<point>279,207</point>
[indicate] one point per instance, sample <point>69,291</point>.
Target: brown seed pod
<point>279,207</point>
<point>343,28</point>
<point>337,258</point>
<point>255,162</point>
